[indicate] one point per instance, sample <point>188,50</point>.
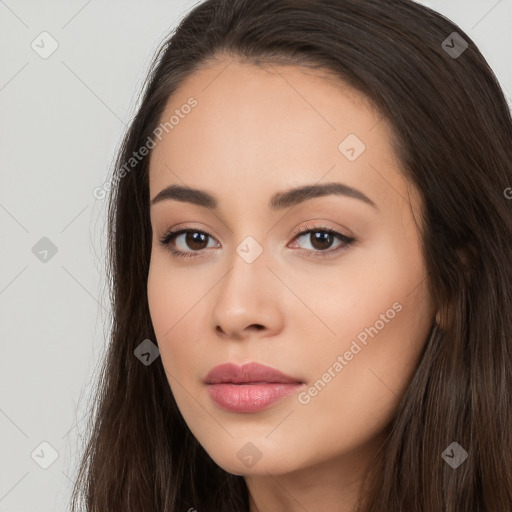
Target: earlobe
<point>440,320</point>
<point>467,258</point>
<point>445,315</point>
<point>442,315</point>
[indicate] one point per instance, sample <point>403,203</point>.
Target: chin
<point>248,461</point>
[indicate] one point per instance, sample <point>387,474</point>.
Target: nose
<point>247,303</point>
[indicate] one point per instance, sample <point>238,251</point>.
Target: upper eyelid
<point>302,230</point>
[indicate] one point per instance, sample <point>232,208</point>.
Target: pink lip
<point>249,388</point>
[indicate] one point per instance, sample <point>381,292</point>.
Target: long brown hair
<point>453,134</point>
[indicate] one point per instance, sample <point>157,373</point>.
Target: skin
<point>254,132</point>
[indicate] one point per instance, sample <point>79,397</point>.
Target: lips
<point>248,373</point>
<point>249,388</point>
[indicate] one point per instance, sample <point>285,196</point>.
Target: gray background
<point>62,121</point>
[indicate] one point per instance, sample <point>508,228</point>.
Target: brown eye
<point>321,240</point>
<point>188,242</point>
<point>195,240</point>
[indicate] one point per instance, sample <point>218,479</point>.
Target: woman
<point>309,224</point>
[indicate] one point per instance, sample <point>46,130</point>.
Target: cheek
<point>355,385</point>
<point>380,315</point>
<point>174,307</point>
<point>158,300</point>
<point>165,305</point>
<point>169,294</point>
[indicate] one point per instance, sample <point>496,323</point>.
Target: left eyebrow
<point>277,202</point>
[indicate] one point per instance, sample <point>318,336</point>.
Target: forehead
<point>269,128</point>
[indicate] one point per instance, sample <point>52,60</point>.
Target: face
<point>328,289</point>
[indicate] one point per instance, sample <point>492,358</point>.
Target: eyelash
<point>166,240</point>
